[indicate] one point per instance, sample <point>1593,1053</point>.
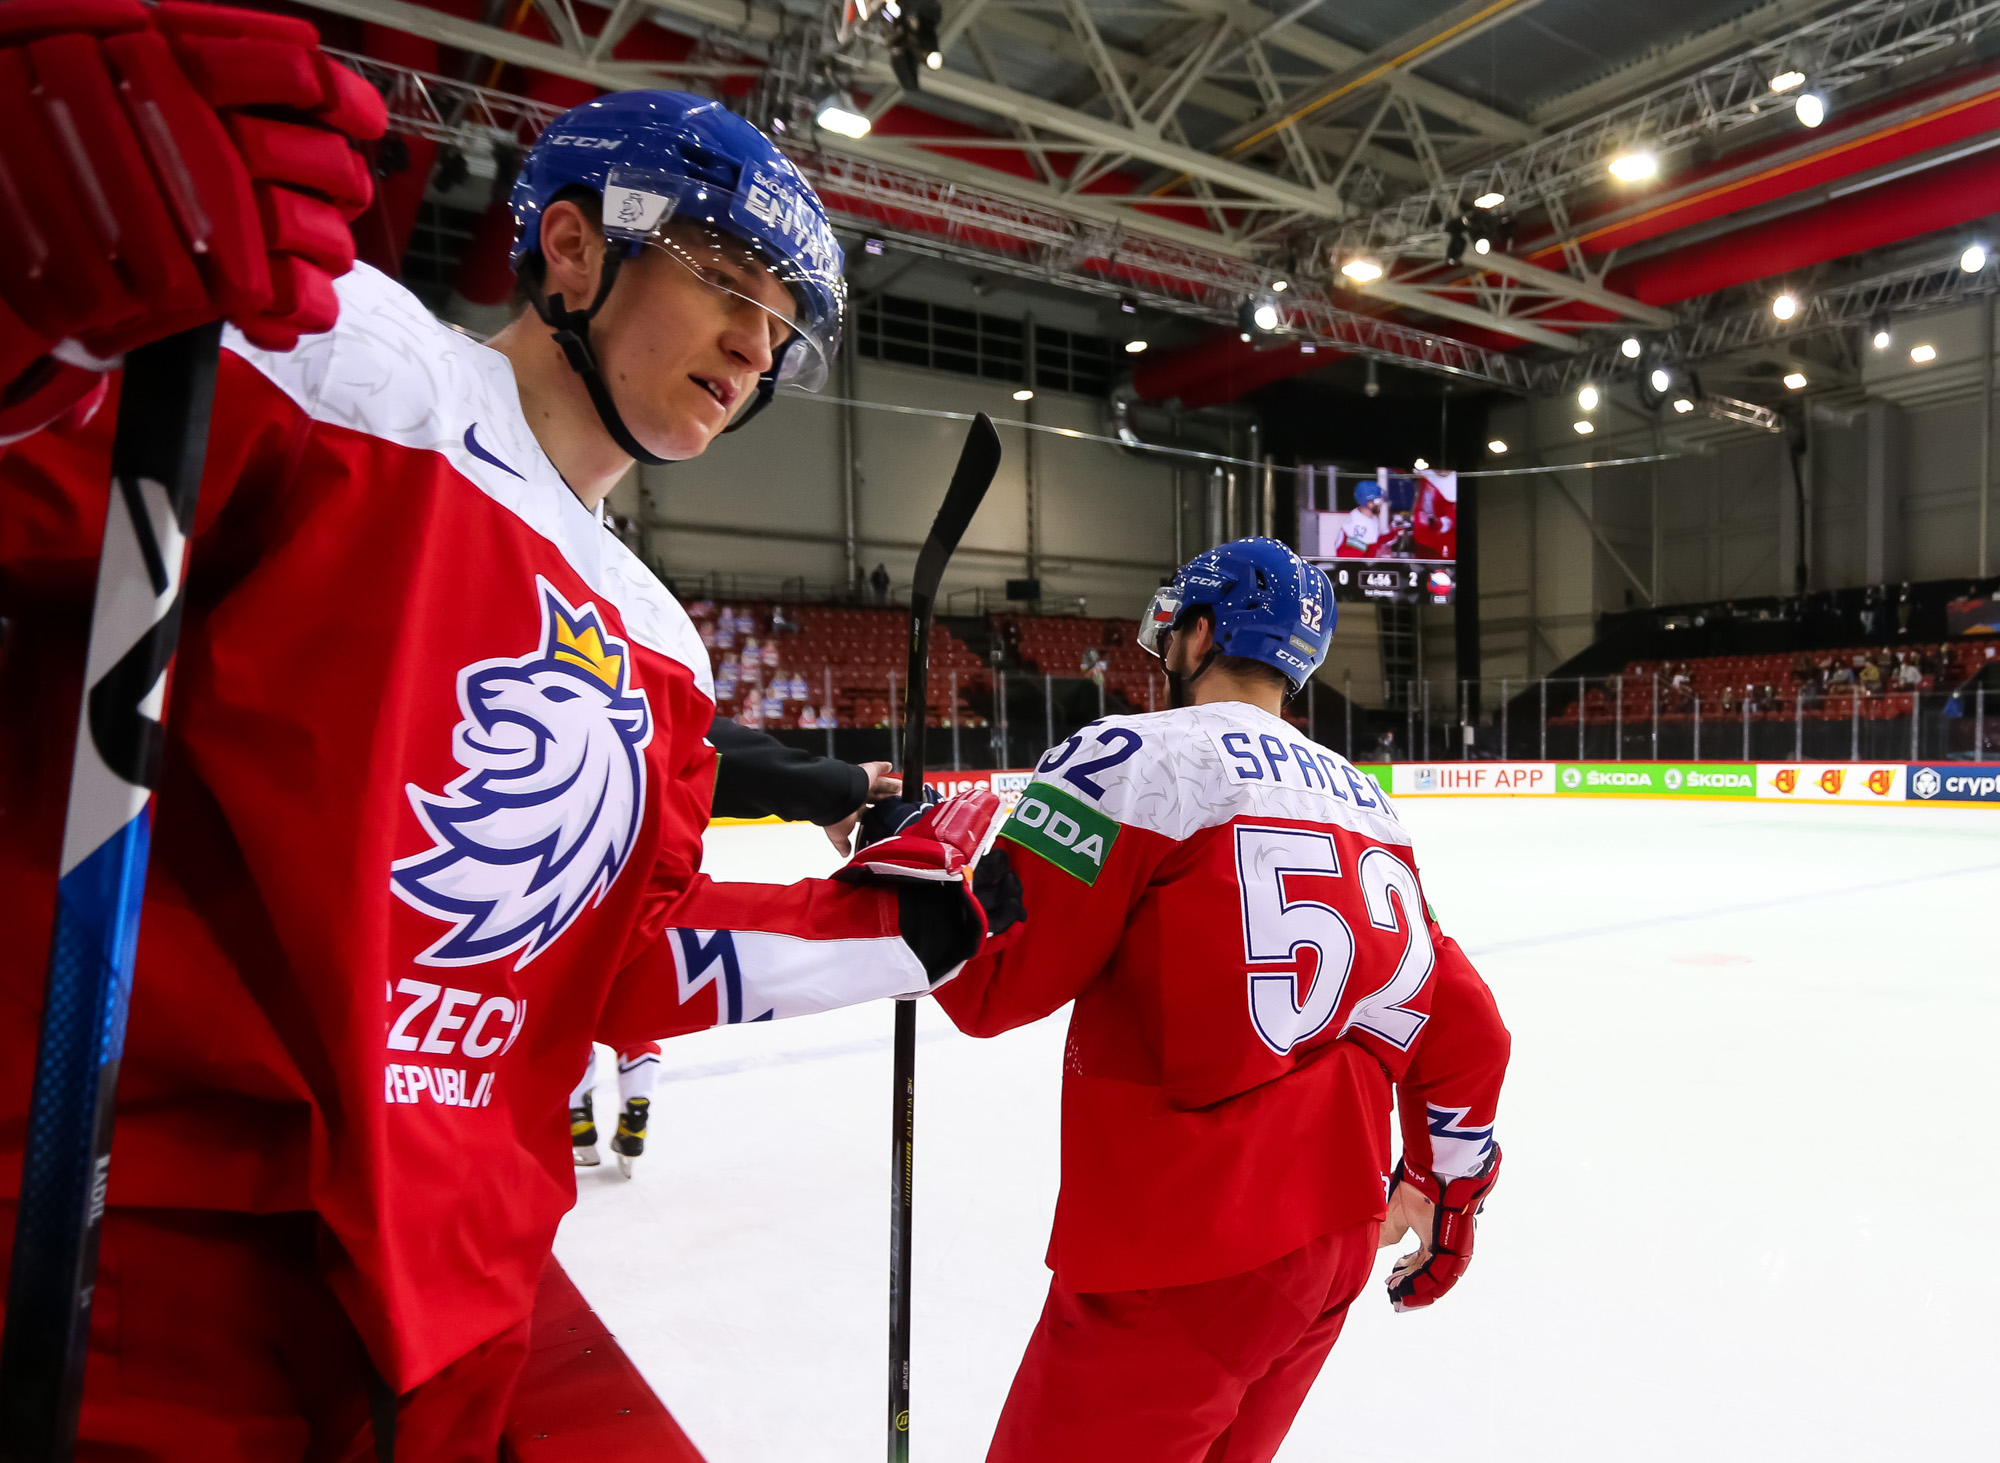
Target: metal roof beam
<point>1412,297</point>
<point>1864,39</point>
<point>1140,72</point>
<point>1568,287</point>
<point>1412,48</point>
<point>518,50</point>
<point>1332,55</point>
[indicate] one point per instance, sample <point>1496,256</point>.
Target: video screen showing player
<point>1387,536</point>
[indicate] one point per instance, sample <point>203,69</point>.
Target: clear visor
<point>1159,621</point>
<point>800,295</point>
<point>747,280</point>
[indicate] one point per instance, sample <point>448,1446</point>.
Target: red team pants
<point>214,1339</point>
<point>1209,1373</point>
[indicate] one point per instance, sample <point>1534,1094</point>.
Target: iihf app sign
<point>1945,783</point>
<point>1473,779</point>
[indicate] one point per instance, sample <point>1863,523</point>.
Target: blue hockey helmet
<point>1269,605</point>
<point>656,157</point>
<point>1367,491</point>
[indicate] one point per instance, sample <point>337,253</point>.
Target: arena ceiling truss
<point>1189,152</point>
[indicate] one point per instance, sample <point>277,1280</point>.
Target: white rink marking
<point>1705,1244</point>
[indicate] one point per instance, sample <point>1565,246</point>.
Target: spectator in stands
<point>782,623</point>
<point>1870,677</point>
<point>1728,698</point>
<point>1385,747</point>
<point>1092,665</point>
<point>1908,675</point>
<point>879,582</point>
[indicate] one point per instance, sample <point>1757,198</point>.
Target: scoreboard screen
<point>1388,535</point>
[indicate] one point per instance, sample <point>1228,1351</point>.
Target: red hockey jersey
<point>1236,912</point>
<point>429,819</point>
<point>1434,521</point>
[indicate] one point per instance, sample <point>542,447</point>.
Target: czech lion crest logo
<point>545,815</point>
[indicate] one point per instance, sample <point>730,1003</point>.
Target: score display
<point>1387,535</point>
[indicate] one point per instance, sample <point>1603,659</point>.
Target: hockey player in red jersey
<point>1236,913</point>
<point>1434,520</point>
<point>432,792</point>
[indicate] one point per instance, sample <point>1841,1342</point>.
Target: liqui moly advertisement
<point>1832,782</point>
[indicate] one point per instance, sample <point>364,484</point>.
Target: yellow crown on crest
<point>587,650</point>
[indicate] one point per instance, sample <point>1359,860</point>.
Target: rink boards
<point>1891,784</point>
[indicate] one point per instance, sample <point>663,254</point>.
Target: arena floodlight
<point>1361,269</point>
<point>1420,465</point>
<point>1587,398</point>
<point>1133,347</point>
<point>1810,108</point>
<point>1266,315</point>
<point>1635,167</point>
<point>1024,394</point>
<point>1795,380</point>
<point>838,114</point>
<point>1882,339</point>
<point>1683,405</point>
<point>1482,246</point>
<point>1788,80</point>
<point>1489,200</point>
<point>1584,429</point>
<point>1497,447</point>
<point>1661,379</point>
<point>1922,355</point>
<point>1280,285</point>
<point>1785,306</point>
<point>1629,347</point>
<point>1973,259</point>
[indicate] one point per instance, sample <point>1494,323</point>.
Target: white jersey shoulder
<point>391,369</point>
<point>1178,772</point>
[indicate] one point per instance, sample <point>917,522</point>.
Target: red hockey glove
<point>929,851</point>
<point>162,168</point>
<point>1423,1275</point>
<point>937,842</point>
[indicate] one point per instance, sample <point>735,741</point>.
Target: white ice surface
<point>1746,1213</point>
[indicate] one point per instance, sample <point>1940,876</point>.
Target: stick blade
<point>978,462</point>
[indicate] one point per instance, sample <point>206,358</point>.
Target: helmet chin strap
<point>572,333</point>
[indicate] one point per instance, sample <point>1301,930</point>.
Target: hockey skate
<point>583,1135</point>
<point>630,1140</point>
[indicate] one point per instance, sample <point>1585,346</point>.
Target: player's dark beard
<point>1177,685</point>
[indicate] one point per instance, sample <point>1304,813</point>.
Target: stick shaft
<point>977,463</point>
<point>107,835</point>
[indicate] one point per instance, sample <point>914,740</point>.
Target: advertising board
<point>1657,780</point>
<point>1473,779</point>
<point>1831,782</point>
<point>1949,782</point>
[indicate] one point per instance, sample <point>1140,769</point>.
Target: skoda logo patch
<point>1674,779</point>
<point>1572,777</point>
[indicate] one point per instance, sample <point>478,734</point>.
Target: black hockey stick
<point>977,462</point>
<point>107,833</point>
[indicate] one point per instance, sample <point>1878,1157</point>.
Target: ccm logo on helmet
<point>583,139</point>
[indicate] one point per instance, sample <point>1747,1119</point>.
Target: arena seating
<point>1822,685</point>
<point>1064,646</point>
<point>775,664</point>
